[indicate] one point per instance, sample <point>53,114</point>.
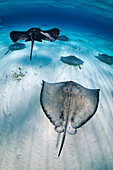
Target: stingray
<point>63,38</point>
<point>105,58</point>
<point>16,46</point>
<point>68,106</point>
<point>72,60</point>
<point>35,34</point>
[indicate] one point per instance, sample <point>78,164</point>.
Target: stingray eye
<point>65,88</point>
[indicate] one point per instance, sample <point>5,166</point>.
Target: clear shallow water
<point>27,138</point>
<point>91,15</point>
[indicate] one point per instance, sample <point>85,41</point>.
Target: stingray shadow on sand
<point>42,61</point>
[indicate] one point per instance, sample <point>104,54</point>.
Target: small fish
<point>72,60</point>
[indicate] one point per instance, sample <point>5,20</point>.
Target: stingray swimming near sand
<point>63,38</point>
<point>105,58</point>
<point>72,60</point>
<point>68,106</point>
<point>14,47</point>
<point>35,34</point>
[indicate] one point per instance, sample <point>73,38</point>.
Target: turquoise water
<point>95,16</point>
<point>27,137</point>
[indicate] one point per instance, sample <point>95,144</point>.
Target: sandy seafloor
<point>27,138</point>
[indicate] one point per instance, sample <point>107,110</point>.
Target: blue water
<point>94,16</point>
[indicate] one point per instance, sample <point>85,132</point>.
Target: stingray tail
<point>65,127</point>
<point>63,139</point>
<point>32,43</point>
<point>64,135</point>
<point>6,52</point>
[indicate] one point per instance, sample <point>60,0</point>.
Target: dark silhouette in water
<point>35,34</point>
<point>16,46</point>
<point>63,38</point>
<point>72,60</point>
<point>68,106</point>
<point>105,58</point>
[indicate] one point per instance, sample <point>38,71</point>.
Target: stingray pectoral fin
<point>17,35</point>
<point>51,103</point>
<point>28,40</point>
<point>50,35</point>
<point>32,43</point>
<point>86,106</point>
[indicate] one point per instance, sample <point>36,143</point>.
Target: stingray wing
<point>50,35</point>
<point>18,35</point>
<point>52,102</point>
<point>85,103</point>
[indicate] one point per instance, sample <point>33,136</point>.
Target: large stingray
<point>35,34</point>
<point>68,105</point>
<point>16,46</point>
